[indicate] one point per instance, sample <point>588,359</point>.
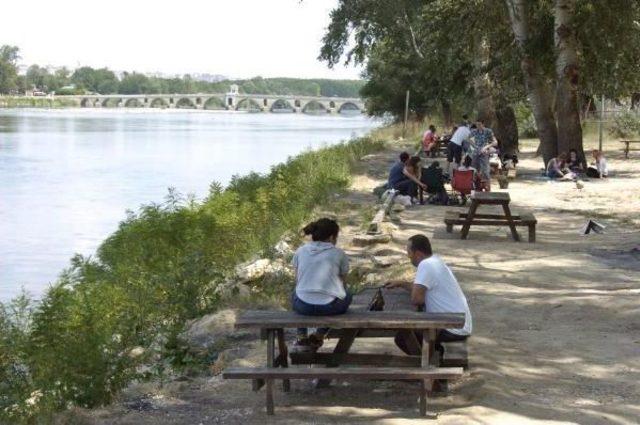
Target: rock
<point>246,272</point>
<point>232,287</point>
<point>365,240</point>
<point>208,329</point>
<point>387,227</point>
<point>283,249</point>
<point>386,251</point>
<point>136,352</point>
<point>397,208</point>
<point>386,261</point>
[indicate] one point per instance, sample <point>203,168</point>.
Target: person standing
<point>430,141</point>
<point>454,148</point>
<point>435,287</point>
<point>484,141</point>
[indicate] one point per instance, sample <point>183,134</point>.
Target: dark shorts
<point>454,151</point>
<point>443,336</point>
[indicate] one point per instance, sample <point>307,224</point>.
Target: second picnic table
<point>399,317</point>
<point>491,198</point>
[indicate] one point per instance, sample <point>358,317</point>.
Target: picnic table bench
<point>470,218</point>
<point>628,148</point>
<point>358,322</point>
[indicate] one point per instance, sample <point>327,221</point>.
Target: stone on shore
<point>366,240</point>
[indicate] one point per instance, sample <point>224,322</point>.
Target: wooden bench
<point>368,373</point>
<point>452,218</point>
<point>628,148</point>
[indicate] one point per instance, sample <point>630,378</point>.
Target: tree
<point>536,84</point>
<point>413,46</point>
<point>36,77</point>
<point>8,68</point>
<point>567,77</point>
<point>101,81</point>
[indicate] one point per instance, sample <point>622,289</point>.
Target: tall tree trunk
<point>482,84</point>
<point>447,114</point>
<point>538,89</point>
<point>567,76</point>
<point>506,130</point>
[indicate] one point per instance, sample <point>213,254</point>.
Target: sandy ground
<point>556,323</point>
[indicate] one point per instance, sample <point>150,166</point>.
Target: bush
<point>158,270</point>
<point>625,125</point>
<point>526,121</point>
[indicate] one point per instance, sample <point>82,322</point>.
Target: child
<point>598,169</point>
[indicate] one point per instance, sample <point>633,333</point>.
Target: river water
<point>67,176</point>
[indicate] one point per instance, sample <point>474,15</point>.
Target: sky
<point>235,38</point>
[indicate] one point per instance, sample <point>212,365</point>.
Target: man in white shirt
<point>454,148</point>
<point>435,287</point>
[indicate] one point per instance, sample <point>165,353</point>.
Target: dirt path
<point>556,323</point>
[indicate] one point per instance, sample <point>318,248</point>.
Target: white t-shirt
<point>444,294</point>
<point>462,133</point>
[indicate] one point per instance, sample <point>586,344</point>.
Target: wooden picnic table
<point>358,322</point>
<point>627,147</point>
<point>506,219</point>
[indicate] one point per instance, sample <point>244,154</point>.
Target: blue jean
<point>334,308</point>
<point>553,174</point>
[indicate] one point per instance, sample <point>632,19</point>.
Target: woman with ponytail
<point>320,269</point>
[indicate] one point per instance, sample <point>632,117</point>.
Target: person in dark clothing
<point>396,174</point>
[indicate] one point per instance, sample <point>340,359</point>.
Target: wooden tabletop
<point>491,196</point>
<point>269,319</point>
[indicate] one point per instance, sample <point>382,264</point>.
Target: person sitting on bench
<point>320,269</point>
<point>436,288</point>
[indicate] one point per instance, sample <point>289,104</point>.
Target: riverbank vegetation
<point>117,316</point>
<point>104,81</point>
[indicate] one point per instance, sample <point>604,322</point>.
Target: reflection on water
<point>67,176</point>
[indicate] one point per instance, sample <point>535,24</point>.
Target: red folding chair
<point>462,182</point>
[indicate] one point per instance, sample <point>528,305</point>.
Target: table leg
<point>411,341</point>
<point>426,385</point>
<point>342,347</point>
<point>512,225</point>
<point>270,363</point>
<point>626,151</point>
<point>283,358</point>
<point>470,215</point>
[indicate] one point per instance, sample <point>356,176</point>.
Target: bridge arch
<point>214,103</point>
<point>86,103</point>
<point>282,105</point>
<point>349,108</point>
<point>314,107</point>
<point>132,103</point>
<point>248,104</point>
<point>332,104</point>
<point>158,102</point>
<point>111,102</point>
<point>185,103</point>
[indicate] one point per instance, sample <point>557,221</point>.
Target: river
<point>67,176</point>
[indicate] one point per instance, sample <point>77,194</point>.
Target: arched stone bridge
<point>230,101</point>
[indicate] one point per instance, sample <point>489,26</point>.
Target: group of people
<point>469,147</point>
<point>321,268</point>
<point>570,167</point>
